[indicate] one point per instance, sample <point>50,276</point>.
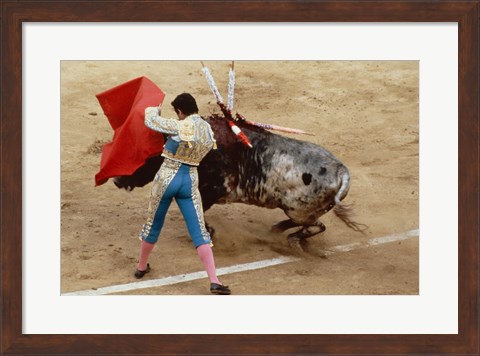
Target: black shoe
<point>219,289</point>
<point>139,274</point>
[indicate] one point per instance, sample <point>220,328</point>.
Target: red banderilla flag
<point>133,143</point>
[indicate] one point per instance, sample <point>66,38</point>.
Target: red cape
<point>132,141</point>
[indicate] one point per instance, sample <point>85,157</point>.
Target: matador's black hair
<point>186,103</point>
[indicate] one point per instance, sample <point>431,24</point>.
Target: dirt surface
<point>365,113</point>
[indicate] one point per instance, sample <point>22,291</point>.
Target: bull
<point>303,179</point>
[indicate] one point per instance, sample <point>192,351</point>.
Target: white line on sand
<point>373,242</point>
<point>238,268</point>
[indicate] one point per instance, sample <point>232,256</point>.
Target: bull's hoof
<point>304,244</point>
<point>295,245</point>
<point>298,245</point>
<point>298,240</point>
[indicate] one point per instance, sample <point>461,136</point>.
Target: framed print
<point>57,55</point>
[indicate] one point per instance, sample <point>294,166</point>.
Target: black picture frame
<point>15,13</point>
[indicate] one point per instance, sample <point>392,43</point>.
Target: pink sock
<point>206,256</point>
<point>145,250</point>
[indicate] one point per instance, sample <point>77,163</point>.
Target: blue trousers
<point>179,181</point>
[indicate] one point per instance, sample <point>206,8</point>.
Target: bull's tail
<point>343,211</point>
<point>344,185</point>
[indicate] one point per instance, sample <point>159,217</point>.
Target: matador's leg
<point>161,195</point>
<point>190,204</point>
<point>163,190</point>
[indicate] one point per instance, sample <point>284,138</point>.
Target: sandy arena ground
<point>365,113</point>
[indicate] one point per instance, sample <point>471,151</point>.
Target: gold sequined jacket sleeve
<point>155,122</point>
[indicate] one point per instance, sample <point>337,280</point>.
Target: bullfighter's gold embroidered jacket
<point>193,135</point>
